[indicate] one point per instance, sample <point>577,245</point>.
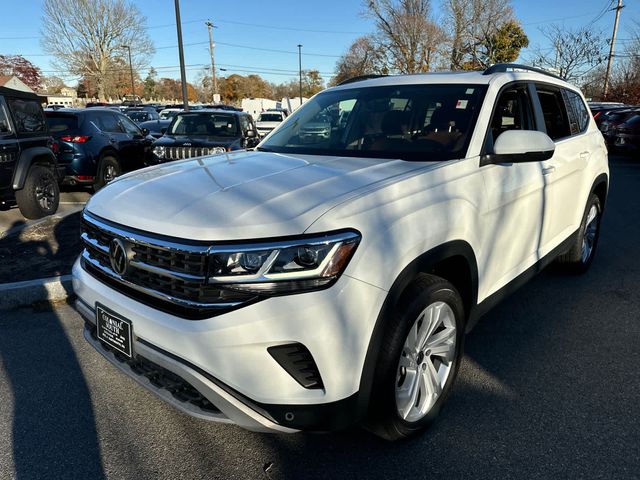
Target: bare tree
<point>362,58</point>
<point>473,26</point>
<point>406,34</point>
<point>573,52</point>
<point>87,37</point>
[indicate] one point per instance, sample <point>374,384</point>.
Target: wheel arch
<point>28,157</point>
<point>454,261</point>
<point>600,188</point>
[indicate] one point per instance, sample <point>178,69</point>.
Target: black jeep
<point>28,166</point>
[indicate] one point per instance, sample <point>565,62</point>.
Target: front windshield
<point>269,117</point>
<point>412,122</point>
<point>209,124</point>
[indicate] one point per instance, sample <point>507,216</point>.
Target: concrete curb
<point>20,294</point>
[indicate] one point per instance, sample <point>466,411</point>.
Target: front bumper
<point>225,358</point>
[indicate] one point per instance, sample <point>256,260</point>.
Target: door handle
<point>548,170</point>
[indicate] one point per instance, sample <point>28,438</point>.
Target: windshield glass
<point>269,117</point>
<point>210,124</point>
<point>412,122</point>
<point>61,124</point>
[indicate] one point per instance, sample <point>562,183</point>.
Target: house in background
<point>15,83</point>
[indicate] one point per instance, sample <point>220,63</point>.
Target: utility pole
<point>133,88</point>
<point>211,26</point>
<point>300,69</point>
<point>183,74</point>
<point>611,49</point>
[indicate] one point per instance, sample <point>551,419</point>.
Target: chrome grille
<point>180,153</point>
<point>170,276</point>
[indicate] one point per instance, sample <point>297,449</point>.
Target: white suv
<point>317,283</point>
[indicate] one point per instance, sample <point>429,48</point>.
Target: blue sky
<point>273,29</point>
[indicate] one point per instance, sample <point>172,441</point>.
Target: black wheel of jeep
<point>40,195</point>
<point>579,258</point>
<point>419,359</point>
<point>108,169</point>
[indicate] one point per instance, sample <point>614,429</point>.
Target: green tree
<point>150,84</point>
<point>505,44</point>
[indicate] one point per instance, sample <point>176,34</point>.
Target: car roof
<point>212,110</point>
<point>470,78</point>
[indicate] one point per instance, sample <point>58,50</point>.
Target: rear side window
<point>577,112</point>
<point>554,112</point>
<point>27,115</point>
<point>62,124</point>
<point>106,122</point>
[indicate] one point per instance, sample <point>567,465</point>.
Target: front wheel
<point>40,195</point>
<point>419,359</point>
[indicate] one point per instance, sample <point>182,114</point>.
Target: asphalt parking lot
<point>548,389</point>
<point>71,200</point>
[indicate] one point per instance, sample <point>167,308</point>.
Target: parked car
<point>267,121</point>
<point>614,118</point>
<point>601,113</point>
<point>29,170</point>
<point>318,129</point>
<point>54,106</point>
<point>222,106</point>
<point>98,104</point>
<point>98,144</point>
<point>627,135</point>
<point>169,113</point>
<point>140,115</point>
<point>156,128</point>
<point>205,132</point>
<point>312,285</point>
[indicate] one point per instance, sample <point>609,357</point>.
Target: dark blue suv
<point>96,145</point>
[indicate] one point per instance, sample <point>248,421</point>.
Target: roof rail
<point>359,78</point>
<point>503,67</point>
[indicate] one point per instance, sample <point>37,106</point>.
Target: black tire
<point>384,418</point>
<point>108,169</point>
<point>40,195</point>
<point>574,261</point>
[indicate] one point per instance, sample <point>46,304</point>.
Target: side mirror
<point>251,134</point>
<point>145,131</point>
<point>517,146</point>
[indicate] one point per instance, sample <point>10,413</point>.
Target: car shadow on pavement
<point>54,433</point>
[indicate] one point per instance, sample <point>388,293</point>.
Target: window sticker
<point>462,104</point>
<point>469,91</point>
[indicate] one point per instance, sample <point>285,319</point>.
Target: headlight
<point>217,150</point>
<point>159,151</point>
<point>290,266</point>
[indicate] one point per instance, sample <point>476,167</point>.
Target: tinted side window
<point>244,124</point>
<point>129,127</point>
<point>5,125</point>
<point>513,112</point>
<point>27,115</point>
<point>577,111</point>
<point>555,114</point>
<point>106,121</point>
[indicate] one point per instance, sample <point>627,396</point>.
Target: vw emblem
<point>118,256</point>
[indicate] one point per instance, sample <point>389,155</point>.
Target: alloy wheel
<point>426,361</point>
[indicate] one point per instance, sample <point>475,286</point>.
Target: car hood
<point>244,195</point>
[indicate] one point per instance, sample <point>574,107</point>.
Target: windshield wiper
<point>263,149</point>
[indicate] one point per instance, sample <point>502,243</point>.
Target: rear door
<point>9,149</point>
<point>565,120</point>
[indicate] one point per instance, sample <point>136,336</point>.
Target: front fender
<point>25,161</point>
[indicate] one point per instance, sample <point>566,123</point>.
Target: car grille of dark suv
<point>166,275</point>
<point>180,153</point>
